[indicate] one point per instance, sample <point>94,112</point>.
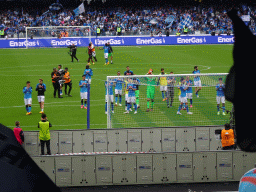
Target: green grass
<point>20,65</point>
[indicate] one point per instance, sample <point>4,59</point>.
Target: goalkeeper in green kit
<point>151,83</point>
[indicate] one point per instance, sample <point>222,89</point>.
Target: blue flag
<point>79,9</point>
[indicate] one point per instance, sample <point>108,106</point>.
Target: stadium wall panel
<point>116,41</point>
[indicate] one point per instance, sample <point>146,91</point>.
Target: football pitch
<point>21,65</point>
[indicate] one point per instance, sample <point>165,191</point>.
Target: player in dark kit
<point>110,52</point>
<point>73,51</point>
<point>90,54</point>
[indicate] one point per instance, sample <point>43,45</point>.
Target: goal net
<point>58,36</point>
<point>166,100</point>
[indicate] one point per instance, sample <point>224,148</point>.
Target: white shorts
<point>163,88</point>
<point>89,80</point>
<point>220,99</point>
<point>93,53</point>
<point>183,99</point>
<point>40,98</point>
<point>131,100</point>
<point>197,83</point>
<point>106,55</point>
<point>83,95</point>
<point>111,98</point>
<point>28,101</point>
<point>118,91</point>
<point>126,97</point>
<point>189,95</point>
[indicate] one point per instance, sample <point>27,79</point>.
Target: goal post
<point>51,34</point>
<point>157,100</point>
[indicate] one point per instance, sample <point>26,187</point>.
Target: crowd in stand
<point>132,22</point>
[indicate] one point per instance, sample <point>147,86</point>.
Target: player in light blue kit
<point>27,90</point>
<point>110,94</point>
<point>197,81</point>
<point>88,74</point>
<point>118,89</point>
<point>106,50</point>
<point>183,96</point>
<point>220,97</point>
<point>189,83</point>
<point>83,84</point>
<point>131,88</point>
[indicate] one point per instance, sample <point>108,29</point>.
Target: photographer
<point>227,138</point>
<point>72,52</point>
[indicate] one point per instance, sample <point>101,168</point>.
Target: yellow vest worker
<point>44,133</point>
<point>227,137</point>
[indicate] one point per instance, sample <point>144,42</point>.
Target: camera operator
<point>73,51</point>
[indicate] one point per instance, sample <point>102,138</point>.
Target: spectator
<point>18,133</point>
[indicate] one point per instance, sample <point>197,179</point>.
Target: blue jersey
<point>84,87</point>
<point>119,83</point>
<point>106,49</point>
<point>131,93</point>
<point>110,88</point>
<point>220,90</point>
<point>189,90</point>
<point>183,90</point>
<point>88,73</point>
<point>27,92</point>
<point>197,78</point>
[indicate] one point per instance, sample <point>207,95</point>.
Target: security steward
<point>98,31</point>
<point>118,30</point>
<point>55,82</point>
<point>44,134</point>
<point>68,82</point>
<point>227,138</point>
<point>185,30</point>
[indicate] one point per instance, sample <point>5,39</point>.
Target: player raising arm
<point>131,88</point>
<point>27,90</point>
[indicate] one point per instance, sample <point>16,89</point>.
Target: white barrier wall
<point>145,168</point>
<point>188,139</point>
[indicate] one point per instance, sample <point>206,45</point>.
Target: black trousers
<point>73,55</point>
<point>70,87</point>
<point>47,147</point>
<point>228,147</point>
<point>56,87</point>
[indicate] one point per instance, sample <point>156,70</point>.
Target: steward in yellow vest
<point>44,134</point>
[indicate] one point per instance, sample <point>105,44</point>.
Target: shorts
<point>131,99</point>
<point>118,91</point>
<point>83,95</point>
<point>110,54</point>
<point>94,54</point>
<point>40,98</point>
<point>150,92</point>
<point>106,55</point>
<point>189,95</point>
<point>197,83</point>
<point>183,99</point>
<point>111,98</point>
<point>126,96</point>
<point>28,101</point>
<point>163,88</point>
<point>220,99</point>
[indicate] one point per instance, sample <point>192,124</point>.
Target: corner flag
<point>79,9</point>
